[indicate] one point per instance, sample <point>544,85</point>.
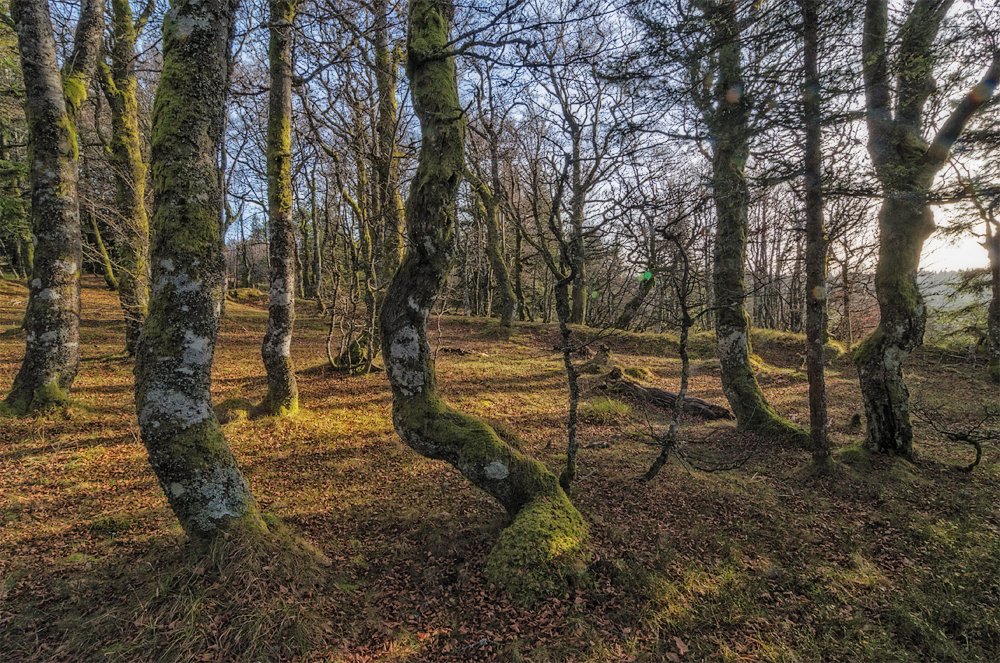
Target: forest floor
<point>882,560</point>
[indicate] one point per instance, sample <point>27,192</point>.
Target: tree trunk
<point>187,450</point>
<point>879,357</point>
<point>577,248</point>
<point>548,538</point>
<point>102,251</point>
<point>282,393</point>
<point>389,203</point>
<point>523,311</point>
<point>304,254</point>
<point>120,87</point>
<point>816,241</point>
<point>489,208</point>
<point>633,305</point>
<point>317,247</point>
<point>993,313</point>
<point>568,475</point>
<point>52,346</point>
<point>906,166</point>
<point>683,290</point>
<point>729,128</point>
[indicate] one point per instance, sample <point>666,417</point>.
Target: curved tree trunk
<point>120,88</point>
<point>548,538</point>
<point>489,208</point>
<point>729,128</point>
<point>906,166</point>
<point>194,465</point>
<point>632,306</point>
<point>282,393</point>
<point>52,321</point>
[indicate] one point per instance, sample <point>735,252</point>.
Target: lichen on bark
<point>906,165</point>
<point>52,347</point>
<point>523,486</point>
<point>282,397</point>
<point>188,453</point>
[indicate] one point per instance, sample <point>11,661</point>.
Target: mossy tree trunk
<point>389,202</point>
<point>102,251</point>
<point>489,209</point>
<point>282,393</point>
<point>816,240</point>
<point>906,165</point>
<point>192,461</point>
<point>992,243</point>
<point>548,537</point>
<point>52,100</point>
<point>728,120</point>
<point>120,87</point>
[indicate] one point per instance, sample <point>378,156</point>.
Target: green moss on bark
<point>543,553</point>
<point>285,406</point>
<point>547,541</point>
<point>48,395</point>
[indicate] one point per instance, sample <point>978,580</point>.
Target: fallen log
<point>618,383</point>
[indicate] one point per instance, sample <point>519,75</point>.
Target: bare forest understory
<point>880,560</point>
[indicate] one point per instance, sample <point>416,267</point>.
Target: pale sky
<point>941,256</point>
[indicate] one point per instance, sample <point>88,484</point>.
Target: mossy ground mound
<point>248,297</point>
<point>532,564</point>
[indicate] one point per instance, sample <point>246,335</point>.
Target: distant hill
<point>938,289</point>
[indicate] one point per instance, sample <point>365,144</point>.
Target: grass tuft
<point>604,411</point>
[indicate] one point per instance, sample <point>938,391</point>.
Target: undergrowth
<point>871,559</point>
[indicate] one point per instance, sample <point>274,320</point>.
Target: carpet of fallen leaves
<point>881,559</point>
